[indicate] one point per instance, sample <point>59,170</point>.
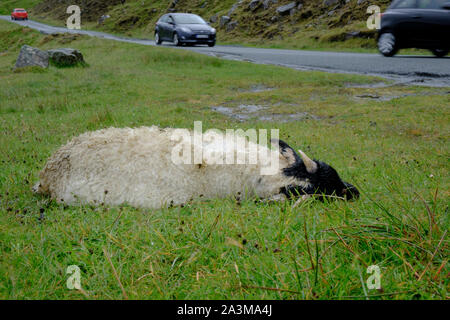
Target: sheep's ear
<point>286,151</point>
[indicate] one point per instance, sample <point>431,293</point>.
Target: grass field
<point>395,148</point>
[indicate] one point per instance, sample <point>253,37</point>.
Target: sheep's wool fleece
<point>134,166</point>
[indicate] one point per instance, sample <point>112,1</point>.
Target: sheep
<point>144,167</point>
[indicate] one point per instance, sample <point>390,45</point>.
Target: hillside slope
<point>6,6</point>
<point>307,23</point>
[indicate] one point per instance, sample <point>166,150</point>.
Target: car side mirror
<point>446,6</point>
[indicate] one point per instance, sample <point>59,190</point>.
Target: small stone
<point>286,8</point>
<point>231,26</point>
<point>254,4</point>
<point>330,2</point>
<point>268,3</point>
<point>224,20</point>
<point>103,18</point>
<point>213,19</point>
<point>234,7</point>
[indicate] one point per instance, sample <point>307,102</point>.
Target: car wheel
<point>12,18</point>
<point>175,40</point>
<point>440,52</point>
<point>211,44</point>
<point>387,44</point>
<point>157,38</point>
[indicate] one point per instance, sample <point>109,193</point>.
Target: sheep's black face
<point>315,177</point>
<point>327,181</point>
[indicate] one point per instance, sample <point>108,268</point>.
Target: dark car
<point>184,28</point>
<point>423,24</point>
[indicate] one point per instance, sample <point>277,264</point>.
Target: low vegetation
<point>7,6</point>
<point>391,141</point>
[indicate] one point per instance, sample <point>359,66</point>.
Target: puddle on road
<point>246,112</point>
<point>369,85</point>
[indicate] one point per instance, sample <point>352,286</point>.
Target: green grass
<point>395,151</point>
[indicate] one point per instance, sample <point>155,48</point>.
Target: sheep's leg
<point>301,199</point>
<point>275,198</point>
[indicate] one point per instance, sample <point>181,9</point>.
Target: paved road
<point>423,70</point>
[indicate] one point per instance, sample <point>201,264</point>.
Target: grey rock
<point>231,26</point>
<point>103,18</point>
<point>30,56</point>
<point>352,34</point>
<point>234,7</point>
<point>330,2</point>
<point>268,3</point>
<point>254,4</point>
<point>65,57</point>
<point>213,19</point>
<point>286,9</point>
<point>224,20</point>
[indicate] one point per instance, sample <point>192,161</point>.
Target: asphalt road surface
<point>421,70</point>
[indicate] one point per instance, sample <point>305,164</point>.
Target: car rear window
<point>19,10</point>
<point>404,4</point>
<point>431,4</point>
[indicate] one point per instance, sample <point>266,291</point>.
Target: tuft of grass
<point>223,248</point>
<point>31,69</point>
<point>65,65</point>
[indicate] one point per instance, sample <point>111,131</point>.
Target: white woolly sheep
<point>138,167</point>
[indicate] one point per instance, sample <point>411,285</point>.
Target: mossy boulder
<point>66,57</point>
